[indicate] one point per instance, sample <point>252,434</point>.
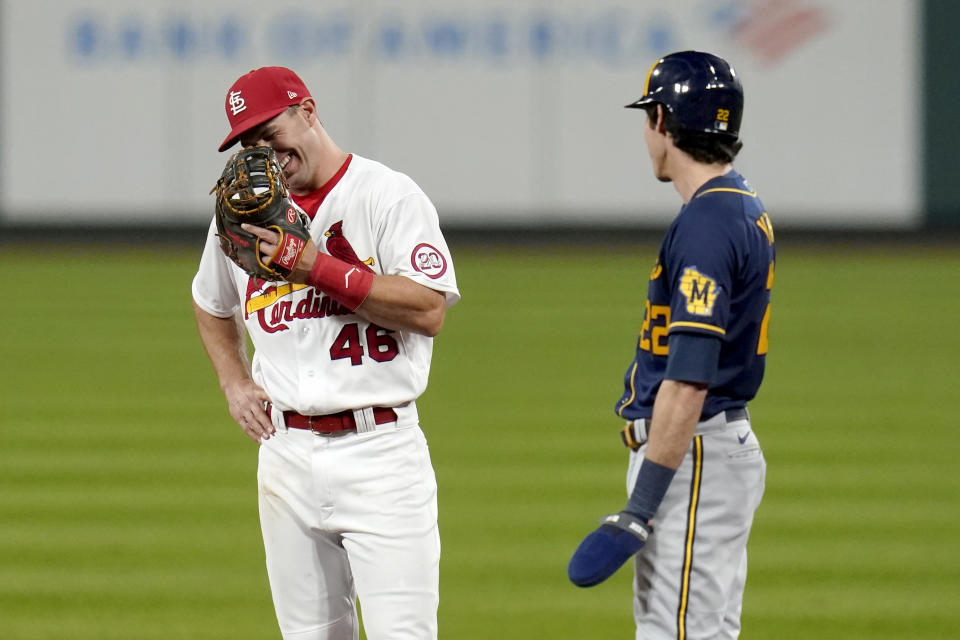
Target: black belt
<point>636,432</point>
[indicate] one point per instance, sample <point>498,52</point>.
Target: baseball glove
<point>252,190</point>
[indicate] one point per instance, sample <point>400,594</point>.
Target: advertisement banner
<point>503,111</point>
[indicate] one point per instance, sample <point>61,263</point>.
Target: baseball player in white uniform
<point>347,491</point>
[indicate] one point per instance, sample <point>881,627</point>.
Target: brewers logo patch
<point>700,290</point>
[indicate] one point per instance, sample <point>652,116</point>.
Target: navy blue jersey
<point>713,277</point>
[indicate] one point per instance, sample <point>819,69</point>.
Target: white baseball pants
<point>349,516</point>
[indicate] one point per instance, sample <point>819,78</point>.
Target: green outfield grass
<point>127,496</point>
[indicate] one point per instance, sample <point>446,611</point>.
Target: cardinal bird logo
<point>339,247</point>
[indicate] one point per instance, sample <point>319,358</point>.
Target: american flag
<point>771,29</point>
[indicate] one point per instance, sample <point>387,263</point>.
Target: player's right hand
<point>246,401</point>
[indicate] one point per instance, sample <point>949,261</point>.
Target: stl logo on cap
<point>259,95</point>
<point>237,103</point>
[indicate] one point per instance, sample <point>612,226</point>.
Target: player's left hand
<point>269,244</point>
<point>605,550</point>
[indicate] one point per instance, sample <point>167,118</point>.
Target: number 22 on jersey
<point>763,343</point>
<point>653,333</point>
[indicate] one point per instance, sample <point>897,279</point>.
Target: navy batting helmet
<point>701,90</point>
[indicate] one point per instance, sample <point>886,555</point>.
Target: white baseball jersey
<point>312,355</point>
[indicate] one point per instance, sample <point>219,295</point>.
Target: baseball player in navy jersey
<point>347,492</point>
<point>696,470</point>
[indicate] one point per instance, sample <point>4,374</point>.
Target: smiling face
<point>290,135</point>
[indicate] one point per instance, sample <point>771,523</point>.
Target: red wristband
<point>346,283</point>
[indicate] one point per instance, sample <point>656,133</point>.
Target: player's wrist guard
<point>346,283</point>
<point>652,483</point>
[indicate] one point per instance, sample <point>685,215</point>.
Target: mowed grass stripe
<point>123,472</point>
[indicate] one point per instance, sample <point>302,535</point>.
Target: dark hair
<point>709,148</point>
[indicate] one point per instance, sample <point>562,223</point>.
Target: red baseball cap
<point>258,96</point>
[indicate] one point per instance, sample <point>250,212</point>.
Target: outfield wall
<point>941,51</point>
<point>505,112</point>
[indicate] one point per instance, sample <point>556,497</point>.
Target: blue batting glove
<point>605,550</point>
